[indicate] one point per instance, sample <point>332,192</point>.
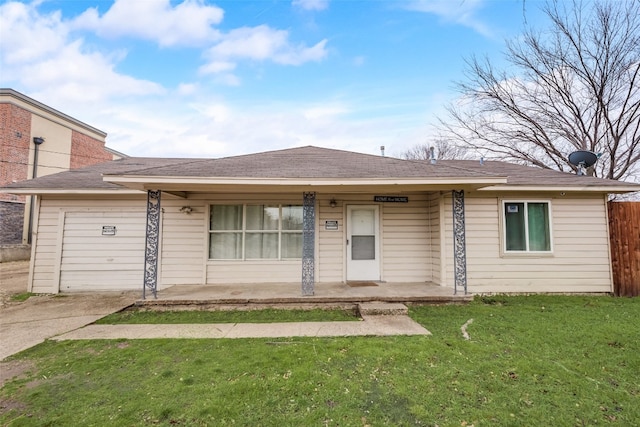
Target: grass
<point>22,296</point>
<point>541,360</point>
<point>133,316</point>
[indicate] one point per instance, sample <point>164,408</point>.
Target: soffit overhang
<point>276,185</point>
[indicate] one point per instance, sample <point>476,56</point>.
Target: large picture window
<point>526,226</point>
<point>255,232</point>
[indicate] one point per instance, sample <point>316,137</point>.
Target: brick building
<point>37,140</point>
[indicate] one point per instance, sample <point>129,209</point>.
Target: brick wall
<point>86,151</point>
<point>15,142</point>
<point>11,221</point>
<point>15,131</point>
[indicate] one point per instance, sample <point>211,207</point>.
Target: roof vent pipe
<point>481,161</point>
<point>432,155</point>
<point>382,150</point>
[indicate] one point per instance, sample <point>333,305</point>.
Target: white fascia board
<point>135,181</point>
<point>566,188</point>
<point>38,191</point>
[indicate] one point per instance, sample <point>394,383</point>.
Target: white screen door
<point>363,243</point>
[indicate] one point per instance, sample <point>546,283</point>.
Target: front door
<point>363,243</point>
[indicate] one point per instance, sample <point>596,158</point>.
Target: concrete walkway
<point>375,325</point>
<point>72,317</point>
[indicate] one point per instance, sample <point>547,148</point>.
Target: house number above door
<point>391,199</point>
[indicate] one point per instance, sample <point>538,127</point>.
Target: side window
<point>527,226</point>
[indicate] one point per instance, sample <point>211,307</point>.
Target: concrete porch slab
<point>291,293</point>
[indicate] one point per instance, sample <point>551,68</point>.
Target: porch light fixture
<point>333,203</point>
<point>186,210</point>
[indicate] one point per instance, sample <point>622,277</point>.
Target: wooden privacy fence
<point>624,229</point>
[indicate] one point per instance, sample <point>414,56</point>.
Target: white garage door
<point>103,251</point>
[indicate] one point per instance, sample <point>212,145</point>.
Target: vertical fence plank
<point>624,229</point>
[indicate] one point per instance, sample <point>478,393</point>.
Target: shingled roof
<point>520,175</point>
<point>90,177</point>
<point>308,164</point>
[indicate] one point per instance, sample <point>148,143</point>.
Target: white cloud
<point>216,128</point>
<point>459,11</point>
<point>72,74</point>
<point>56,66</point>
<point>187,23</point>
<point>39,53</point>
<point>260,43</point>
<point>324,111</point>
<point>217,67</point>
<point>227,79</point>
<point>311,4</point>
<point>217,112</point>
<point>185,89</point>
<point>27,36</point>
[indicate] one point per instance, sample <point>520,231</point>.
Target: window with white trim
<point>526,226</point>
<point>245,232</point>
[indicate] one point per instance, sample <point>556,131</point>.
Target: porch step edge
<point>379,308</point>
<point>436,300</point>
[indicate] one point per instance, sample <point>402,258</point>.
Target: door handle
<point>347,242</point>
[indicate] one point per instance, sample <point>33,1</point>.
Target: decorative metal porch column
<point>308,243</point>
<point>152,244</point>
<point>459,242</point>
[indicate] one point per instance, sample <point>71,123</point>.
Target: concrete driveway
<point>25,324</point>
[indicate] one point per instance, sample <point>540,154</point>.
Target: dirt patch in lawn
<point>13,280</point>
<point>13,369</point>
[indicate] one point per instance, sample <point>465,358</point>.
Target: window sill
<point>254,261</point>
<point>526,255</point>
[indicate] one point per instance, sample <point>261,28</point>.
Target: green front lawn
<point>135,316</point>
<point>530,361</point>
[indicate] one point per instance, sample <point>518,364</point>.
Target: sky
<point>203,78</point>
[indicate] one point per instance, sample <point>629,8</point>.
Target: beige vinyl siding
<point>447,238</point>
<point>579,261</point>
<point>433,200</point>
<point>184,242</point>
<point>331,244</point>
<point>406,236</point>
<point>220,272</point>
<point>409,233</point>
<point>45,262</point>
<point>406,240</point>
<point>232,271</point>
<point>48,240</point>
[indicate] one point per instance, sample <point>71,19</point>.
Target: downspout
<point>37,140</point>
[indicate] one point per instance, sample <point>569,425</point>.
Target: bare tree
<point>573,87</point>
<point>443,150</point>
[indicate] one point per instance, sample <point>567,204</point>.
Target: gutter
<point>622,188</point>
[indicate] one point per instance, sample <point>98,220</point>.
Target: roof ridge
<point>305,147</point>
<point>428,162</point>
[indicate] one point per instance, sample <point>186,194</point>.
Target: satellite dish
<point>583,159</point>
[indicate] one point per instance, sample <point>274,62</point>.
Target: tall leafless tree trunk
<point>573,87</point>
